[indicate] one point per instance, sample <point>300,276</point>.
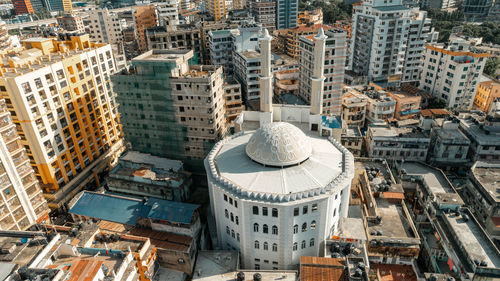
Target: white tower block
<point>318,79</point>
<point>266,76</point>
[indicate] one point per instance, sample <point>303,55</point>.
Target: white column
<point>266,75</point>
<point>317,79</point>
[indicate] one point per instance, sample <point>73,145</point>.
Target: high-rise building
<point>477,10</point>
<point>217,9</point>
<point>58,93</point>
<point>288,39</point>
<point>58,5</point>
<point>21,201</point>
<point>145,17</point>
<point>487,93</point>
<point>170,108</point>
<point>168,12</point>
<point>104,26</point>
<point>388,41</point>
<point>176,37</point>
<point>23,7</point>
<point>71,22</point>
<point>335,54</point>
<point>286,13</point>
<point>264,12</point>
<point>275,198</point>
<point>452,72</point>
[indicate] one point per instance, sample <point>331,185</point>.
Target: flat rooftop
<point>157,162</point>
<point>479,134</point>
<point>452,134</point>
<point>317,269</point>
<point>434,179</point>
<point>163,55</point>
<point>474,240</point>
<point>211,265</point>
<point>393,132</point>
<point>352,228</point>
<point>488,175</point>
<point>394,222</point>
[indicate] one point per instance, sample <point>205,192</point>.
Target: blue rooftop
<point>127,210</point>
<point>332,122</point>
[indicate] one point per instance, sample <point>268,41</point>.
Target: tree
<point>332,10</point>
<point>491,66</point>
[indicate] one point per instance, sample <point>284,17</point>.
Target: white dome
<point>279,144</point>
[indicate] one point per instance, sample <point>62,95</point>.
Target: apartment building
<point>71,22</point>
<point>104,26</point>
<point>334,60</point>
<point>264,12</point>
<point>449,145</point>
<point>310,17</point>
<point>22,203</point>
<point>170,108</point>
<point>487,92</point>
<point>380,107</point>
<point>145,17</point>
<point>451,72</point>
<point>354,108</point>
<point>439,4</point>
<point>168,12</point>
<point>287,40</point>
<point>286,13</point>
<point>23,7</point>
<point>246,70</point>
<point>388,41</point>
<point>286,82</point>
<point>477,10</point>
<point>179,37</point>
<point>217,9</point>
<point>483,132</point>
<point>397,143</point>
<point>234,99</point>
<point>60,98</point>
<point>407,102</point>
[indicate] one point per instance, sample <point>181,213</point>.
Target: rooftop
<point>323,269</point>
<point>393,132</point>
<point>210,264</point>
<point>391,8</point>
<point>452,134</point>
<point>394,272</point>
<point>165,55</point>
<point>488,176</point>
<point>484,135</point>
<point>127,210</point>
<point>148,159</point>
<point>435,179</point>
<point>434,112</point>
<point>473,239</point>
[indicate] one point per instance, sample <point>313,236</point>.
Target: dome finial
<point>320,35</point>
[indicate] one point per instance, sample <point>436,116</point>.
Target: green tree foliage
<point>444,22</point>
<point>436,103</point>
<point>332,10</point>
<point>491,66</point>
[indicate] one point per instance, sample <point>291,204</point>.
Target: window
<point>304,227</point>
<point>235,202</point>
<point>311,242</point>
<point>226,213</point>
<point>232,217</point>
<point>275,247</point>
<point>295,212</point>
<point>303,244</point>
<point>314,208</point>
<point>313,225</point>
<point>304,210</point>
<point>265,229</point>
<point>227,230</point>
<point>275,212</point>
<point>255,210</point>
<point>232,233</point>
<point>230,199</point>
<point>256,244</point>
<point>275,230</point>
<point>266,246</point>
<point>225,197</point>
<point>295,246</point>
<point>295,229</point>
<point>255,227</point>
<point>264,211</point>
<point>237,221</point>
<point>238,237</point>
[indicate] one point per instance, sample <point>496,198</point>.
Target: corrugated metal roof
<point>127,210</point>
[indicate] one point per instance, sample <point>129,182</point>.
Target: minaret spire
<point>317,79</point>
<point>266,75</point>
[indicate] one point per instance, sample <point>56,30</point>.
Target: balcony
<point>10,135</point>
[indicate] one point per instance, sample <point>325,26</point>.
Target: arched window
<point>295,229</point>
<point>304,227</point>
<point>313,225</point>
<point>265,229</point>
<point>232,217</point>
<point>226,213</point>
<point>255,227</point>
<point>256,244</point>
<point>237,221</point>
<point>275,212</point>
<point>303,244</point>
<point>255,210</point>
<point>311,243</point>
<point>275,230</point>
<point>232,233</point>
<point>238,237</point>
<point>295,246</point>
<point>227,230</point>
<point>266,246</point>
<point>275,247</point>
